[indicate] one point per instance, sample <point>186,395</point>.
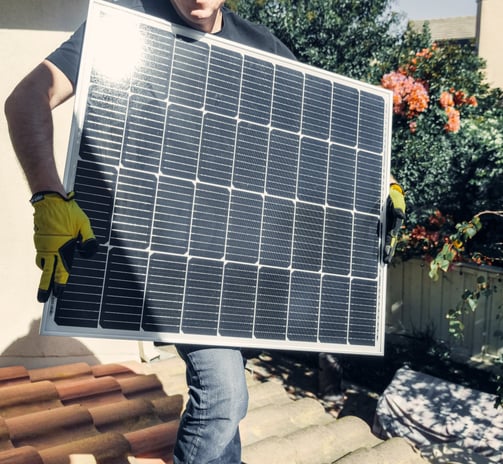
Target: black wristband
<point>39,196</point>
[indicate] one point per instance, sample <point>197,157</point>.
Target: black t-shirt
<point>235,28</point>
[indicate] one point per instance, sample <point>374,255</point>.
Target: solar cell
<point>237,195</point>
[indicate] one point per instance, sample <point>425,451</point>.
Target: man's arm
<point>28,110</point>
<point>59,224</point>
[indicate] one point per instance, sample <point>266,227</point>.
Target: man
<point>208,431</point>
<point>218,396</point>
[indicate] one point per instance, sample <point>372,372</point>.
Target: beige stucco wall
<point>29,30</point>
<point>490,21</point>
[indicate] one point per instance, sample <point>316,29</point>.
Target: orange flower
<point>472,101</point>
<point>453,123</point>
<point>418,99</point>
<point>437,219</point>
<point>410,97</point>
<point>459,97</point>
<point>418,232</point>
<point>446,99</point>
<point>425,53</point>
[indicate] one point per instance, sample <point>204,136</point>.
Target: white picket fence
<point>416,303</point>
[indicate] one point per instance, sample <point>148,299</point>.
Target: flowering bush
<point>411,86</point>
<point>448,157</point>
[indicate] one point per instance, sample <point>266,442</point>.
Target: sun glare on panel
<point>118,48</point>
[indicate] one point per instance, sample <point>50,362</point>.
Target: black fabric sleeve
<point>254,35</point>
<point>67,56</point>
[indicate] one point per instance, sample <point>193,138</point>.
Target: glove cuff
<point>397,187</point>
<point>39,196</point>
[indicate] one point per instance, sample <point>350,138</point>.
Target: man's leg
<point>218,400</point>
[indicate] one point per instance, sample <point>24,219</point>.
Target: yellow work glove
<point>395,215</point>
<point>60,226</point>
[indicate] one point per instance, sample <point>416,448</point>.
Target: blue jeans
<point>218,400</point>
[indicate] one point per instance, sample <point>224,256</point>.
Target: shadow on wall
<point>34,350</point>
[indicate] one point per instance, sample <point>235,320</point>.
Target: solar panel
<point>237,195</point>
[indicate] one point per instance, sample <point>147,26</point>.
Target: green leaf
<point>472,303</point>
<point>445,264</point>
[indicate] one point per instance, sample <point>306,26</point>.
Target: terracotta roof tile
<point>146,386</point>
<point>24,455</point>
<point>106,448</point>
<point>91,392</point>
<point>13,375</point>
<point>116,370</point>
<point>152,441</point>
<point>43,429</point>
<point>168,408</point>
<point>57,373</point>
<point>128,413</point>
<point>108,412</point>
<point>5,442</point>
<point>29,397</point>
<point>114,417</point>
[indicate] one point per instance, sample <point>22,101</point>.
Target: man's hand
<point>60,226</point>
<point>395,215</point>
